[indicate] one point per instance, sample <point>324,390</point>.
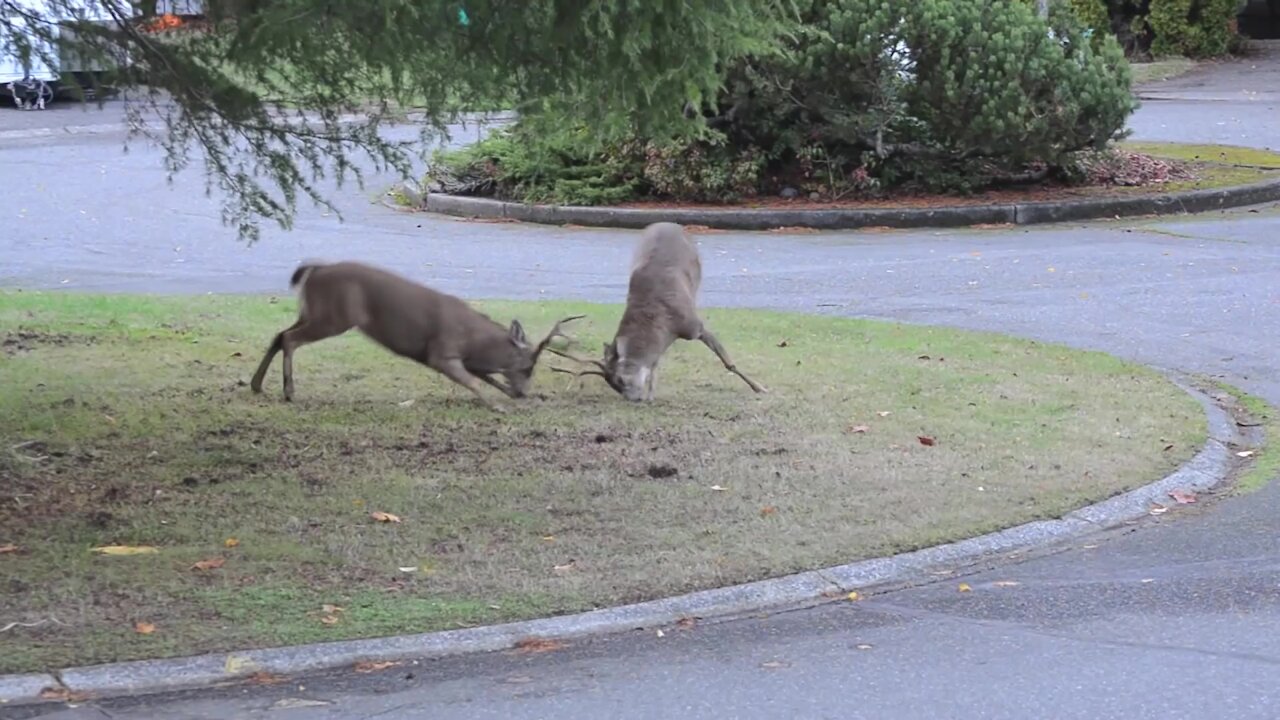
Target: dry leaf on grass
<point>370,666</point>
<point>926,440</point>
<point>6,549</point>
<point>539,645</point>
<point>768,510</point>
<point>384,517</point>
<point>231,542</point>
<point>144,628</point>
<point>1182,497</point>
<point>562,569</point>
<point>964,587</point>
<point>126,550</point>
<point>859,429</point>
<point>329,620</point>
<point>885,413</point>
<point>332,609</point>
<point>210,564</point>
<point>783,344</point>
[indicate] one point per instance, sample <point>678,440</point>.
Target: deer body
<point>662,295</point>
<point>411,320</point>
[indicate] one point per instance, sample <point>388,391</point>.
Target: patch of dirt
<point>24,341</point>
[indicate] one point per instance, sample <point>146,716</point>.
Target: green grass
<point>1264,466</point>
<point>126,420</point>
<point>1161,70</point>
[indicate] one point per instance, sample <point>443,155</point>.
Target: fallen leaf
<point>864,646</point>
<point>231,542</point>
<point>237,354</point>
<point>964,587</point>
<point>210,564</point>
<point>125,550</point>
<point>885,413</point>
<point>6,549</point>
<point>236,664</point>
<point>1245,453</point>
<point>926,440</point>
<point>332,609</point>
<point>562,569</point>
<point>854,596</point>
<point>718,488</point>
<point>61,694</point>
<point>370,666</point>
<point>859,429</point>
<point>109,419</point>
<point>1158,510</point>
<point>385,517</point>
<point>686,623</point>
<point>774,664</point>
<point>1006,583</point>
<point>539,645</point>
<point>768,510</point>
<point>262,677</point>
<point>144,628</point>
<point>329,620</point>
<point>783,344</point>
<point>1182,497</point>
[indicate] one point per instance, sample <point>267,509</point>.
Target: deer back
<point>406,317</point>
<point>666,274</point>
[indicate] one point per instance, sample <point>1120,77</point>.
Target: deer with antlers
<point>411,320</point>
<point>661,308</point>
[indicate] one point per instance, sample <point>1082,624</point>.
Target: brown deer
<point>661,307</point>
<point>411,320</point>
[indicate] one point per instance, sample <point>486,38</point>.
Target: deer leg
<point>457,372</point>
<point>503,388</point>
<point>277,344</point>
<point>710,341</point>
<point>295,337</point>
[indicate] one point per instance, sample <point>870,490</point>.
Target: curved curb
<point>1030,213</point>
<point>1209,467</point>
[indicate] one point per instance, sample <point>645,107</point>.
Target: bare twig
<point>38,623</point>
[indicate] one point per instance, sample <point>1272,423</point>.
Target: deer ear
<point>516,333</point>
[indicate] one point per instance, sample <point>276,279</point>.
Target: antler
<point>555,332</point>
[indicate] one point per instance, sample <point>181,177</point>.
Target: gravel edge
<point>1210,466</point>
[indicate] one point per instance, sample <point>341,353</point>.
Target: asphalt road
<point>1177,617</point>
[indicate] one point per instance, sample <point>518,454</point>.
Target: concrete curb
<point>1208,468</point>
<point>1193,201</point>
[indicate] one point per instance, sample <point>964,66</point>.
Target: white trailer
<point>32,81</point>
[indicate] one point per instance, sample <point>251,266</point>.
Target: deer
<point>666,274</point>
<point>411,320</point>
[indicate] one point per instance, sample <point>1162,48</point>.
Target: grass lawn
<point>126,420</point>
<point>1161,70</point>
